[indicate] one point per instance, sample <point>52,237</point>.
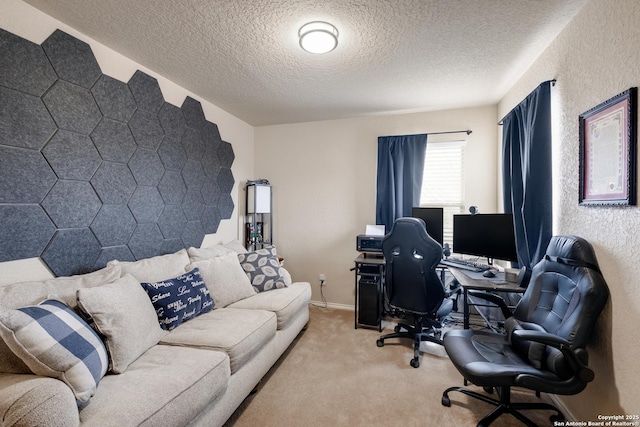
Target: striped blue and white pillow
<point>54,341</point>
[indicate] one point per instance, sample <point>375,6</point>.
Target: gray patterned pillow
<point>263,268</point>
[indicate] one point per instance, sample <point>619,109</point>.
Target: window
<point>442,184</point>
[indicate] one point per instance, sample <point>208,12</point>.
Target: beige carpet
<point>335,375</point>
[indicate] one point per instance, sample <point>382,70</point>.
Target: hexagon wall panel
<point>71,204</point>
<point>25,176</point>
<point>146,91</point>
<point>72,156</point>
<point>114,141</point>
<point>172,188</point>
<point>146,241</point>
<point>94,169</point>
<point>122,253</point>
<point>72,59</point>
<point>26,230</point>
<point>24,65</point>
<point>113,225</point>
<point>146,167</point>
<point>24,120</point>
<point>114,98</point>
<point>172,121</point>
<point>146,129</point>
<point>72,107</point>
<point>72,251</point>
<point>172,222</point>
<point>193,114</point>
<point>172,154</point>
<point>114,183</point>
<point>146,204</point>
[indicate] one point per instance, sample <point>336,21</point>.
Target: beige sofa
<point>195,374</point>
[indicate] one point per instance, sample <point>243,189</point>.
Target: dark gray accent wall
<point>94,169</point>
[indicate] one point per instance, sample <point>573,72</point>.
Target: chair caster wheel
<point>415,363</point>
<point>488,389</point>
<point>380,343</point>
<point>446,401</point>
<point>397,329</point>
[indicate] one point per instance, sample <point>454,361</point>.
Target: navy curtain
<point>526,172</point>
<point>400,168</point>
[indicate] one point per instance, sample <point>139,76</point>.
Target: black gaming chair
<point>545,345</point>
<point>412,285</point>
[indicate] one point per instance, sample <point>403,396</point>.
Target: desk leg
<point>465,309</point>
<point>355,305</point>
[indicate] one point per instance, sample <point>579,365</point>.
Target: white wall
<point>593,59</point>
<point>324,184</point>
<point>31,24</point>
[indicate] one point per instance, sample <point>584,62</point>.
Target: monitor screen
<point>432,217</point>
<point>485,235</point>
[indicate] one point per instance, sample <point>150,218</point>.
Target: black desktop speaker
<point>368,302</point>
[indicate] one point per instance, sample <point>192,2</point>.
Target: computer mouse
<point>489,273</point>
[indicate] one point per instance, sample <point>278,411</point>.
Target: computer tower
<point>368,303</point>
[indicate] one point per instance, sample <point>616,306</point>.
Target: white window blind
<point>442,182</point>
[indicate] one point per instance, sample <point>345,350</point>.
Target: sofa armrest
<point>29,400</point>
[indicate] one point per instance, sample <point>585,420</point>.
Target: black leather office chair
<point>412,285</point>
<point>544,348</point>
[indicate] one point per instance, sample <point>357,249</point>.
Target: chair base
<point>431,334</point>
<point>503,406</point>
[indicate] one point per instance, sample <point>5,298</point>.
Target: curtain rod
<point>553,83</point>
<point>468,132</point>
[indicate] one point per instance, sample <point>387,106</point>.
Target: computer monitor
<point>433,218</point>
<point>485,235</point>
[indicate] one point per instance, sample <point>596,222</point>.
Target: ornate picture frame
<point>608,140</point>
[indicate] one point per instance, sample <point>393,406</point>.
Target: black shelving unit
<point>258,215</point>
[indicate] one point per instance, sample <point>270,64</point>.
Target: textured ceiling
<point>393,55</point>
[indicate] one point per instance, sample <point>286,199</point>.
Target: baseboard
<point>323,304</point>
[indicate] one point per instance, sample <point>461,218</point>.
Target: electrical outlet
<point>322,278</point>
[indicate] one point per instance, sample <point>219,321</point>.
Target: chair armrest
<point>495,299</point>
<point>576,364</point>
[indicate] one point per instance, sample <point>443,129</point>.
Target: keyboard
<point>464,264</point>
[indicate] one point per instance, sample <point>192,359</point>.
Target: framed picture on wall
<point>608,141</point>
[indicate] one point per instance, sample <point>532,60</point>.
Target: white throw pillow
<point>123,314</point>
<point>156,268</point>
<point>236,246</point>
<point>225,278</point>
<point>199,254</point>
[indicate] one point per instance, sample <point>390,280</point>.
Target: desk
<point>369,290</point>
<point>476,282</point>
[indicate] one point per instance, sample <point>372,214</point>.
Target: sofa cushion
<point>18,295</point>
<point>263,269</point>
<point>179,299</point>
<point>236,246</point>
<point>200,254</point>
<point>285,302</point>
<point>166,386</point>
<point>31,400</point>
<point>54,341</point>
<point>156,268</point>
<point>122,313</point>
<point>225,279</point>
<point>239,333</point>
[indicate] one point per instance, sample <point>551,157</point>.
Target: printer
<point>369,243</point>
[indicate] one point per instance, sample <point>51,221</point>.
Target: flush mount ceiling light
<point>318,37</point>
